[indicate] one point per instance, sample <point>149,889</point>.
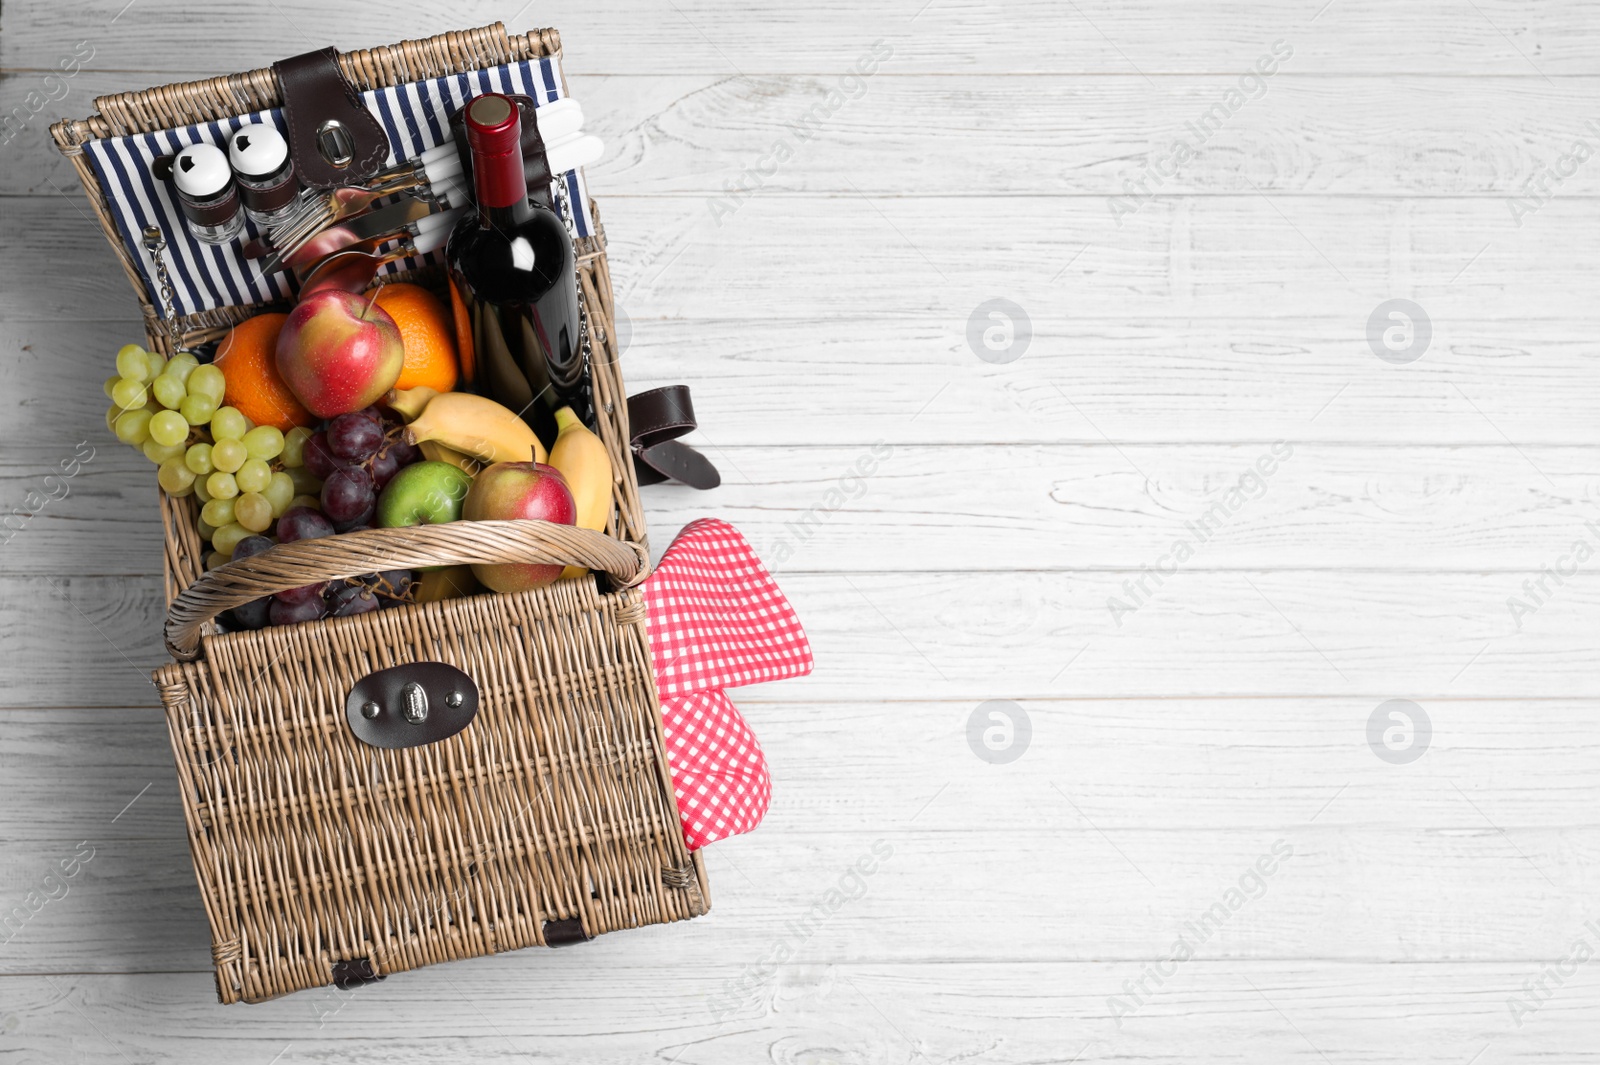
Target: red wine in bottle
<point>512,282</point>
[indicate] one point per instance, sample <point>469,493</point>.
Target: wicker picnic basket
<point>323,860</point>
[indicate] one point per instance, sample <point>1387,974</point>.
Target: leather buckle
<point>332,136</point>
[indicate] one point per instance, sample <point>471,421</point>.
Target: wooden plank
<point>928,134</point>
<point>617,36</point>
<point>78,506</point>
<point>886,509</point>
<point>978,636</point>
<point>1029,635</point>
<point>921,259</point>
<point>1005,1012</point>
<point>1203,380</point>
<point>939,258</point>
<point>1044,886</point>
<point>1002,507</point>
<point>1205,765</point>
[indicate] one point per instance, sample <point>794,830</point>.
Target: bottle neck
<point>501,187</point>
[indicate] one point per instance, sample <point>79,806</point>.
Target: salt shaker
<point>265,173</point>
<point>207,194</point>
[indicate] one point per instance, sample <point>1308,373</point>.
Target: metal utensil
<point>318,210</point>
<point>379,221</point>
<point>430,173</point>
<point>352,269</point>
<point>559,120</point>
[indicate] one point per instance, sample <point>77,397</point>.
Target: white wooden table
<point>1031,909</point>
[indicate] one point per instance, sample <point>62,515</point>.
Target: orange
<point>247,358</point>
<point>458,309</point>
<point>427,332</point>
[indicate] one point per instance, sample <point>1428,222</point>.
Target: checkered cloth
<point>717,620</point>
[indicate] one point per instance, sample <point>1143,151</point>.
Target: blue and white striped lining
<point>204,276</point>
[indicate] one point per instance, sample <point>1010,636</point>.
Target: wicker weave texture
<point>312,848</point>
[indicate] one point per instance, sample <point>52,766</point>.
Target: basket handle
<point>373,550</point>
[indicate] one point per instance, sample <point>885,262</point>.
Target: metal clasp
<point>414,703</point>
<point>335,144</point>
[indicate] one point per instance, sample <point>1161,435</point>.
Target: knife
<point>390,218</point>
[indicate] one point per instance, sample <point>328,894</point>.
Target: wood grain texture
<point>989,157</point>
<point>879,1013</point>
<point>1497,38</point>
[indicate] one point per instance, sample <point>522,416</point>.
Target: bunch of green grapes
<point>134,409</point>
<point>244,475</point>
<point>233,477</point>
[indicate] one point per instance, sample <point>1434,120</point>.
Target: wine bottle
<point>512,282</point>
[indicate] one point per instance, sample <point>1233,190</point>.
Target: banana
<point>408,403</point>
<point>446,582</point>
<point>582,460</point>
<point>475,426</point>
<point>434,451</point>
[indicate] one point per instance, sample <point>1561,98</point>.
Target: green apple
<point>424,493</point>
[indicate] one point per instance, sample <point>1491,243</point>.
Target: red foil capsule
<point>494,133</point>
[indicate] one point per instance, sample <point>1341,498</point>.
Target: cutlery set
<point>334,238</point>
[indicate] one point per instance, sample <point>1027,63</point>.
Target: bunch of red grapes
<point>355,455</point>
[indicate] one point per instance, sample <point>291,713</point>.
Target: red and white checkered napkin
<point>717,620</point>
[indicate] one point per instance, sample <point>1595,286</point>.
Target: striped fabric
<point>205,276</point>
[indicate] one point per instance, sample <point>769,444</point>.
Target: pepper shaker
<point>265,173</point>
<point>207,193</point>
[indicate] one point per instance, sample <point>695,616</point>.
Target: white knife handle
<point>431,242</point>
<point>558,119</point>
<point>573,152</point>
<point>440,164</point>
<point>563,155</point>
<point>453,193</point>
<point>434,230</point>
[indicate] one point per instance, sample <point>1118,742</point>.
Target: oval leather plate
<point>388,689</point>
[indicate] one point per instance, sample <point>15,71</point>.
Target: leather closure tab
<point>656,419</point>
<point>535,165</point>
<point>565,933</point>
<point>353,973</point>
<point>334,139</point>
<point>411,705</point>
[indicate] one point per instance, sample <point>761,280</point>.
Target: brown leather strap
<point>321,110</point>
<point>657,418</point>
<point>535,166</point>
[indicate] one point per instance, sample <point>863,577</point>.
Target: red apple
<point>325,243</point>
<point>519,490</point>
<point>339,352</point>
